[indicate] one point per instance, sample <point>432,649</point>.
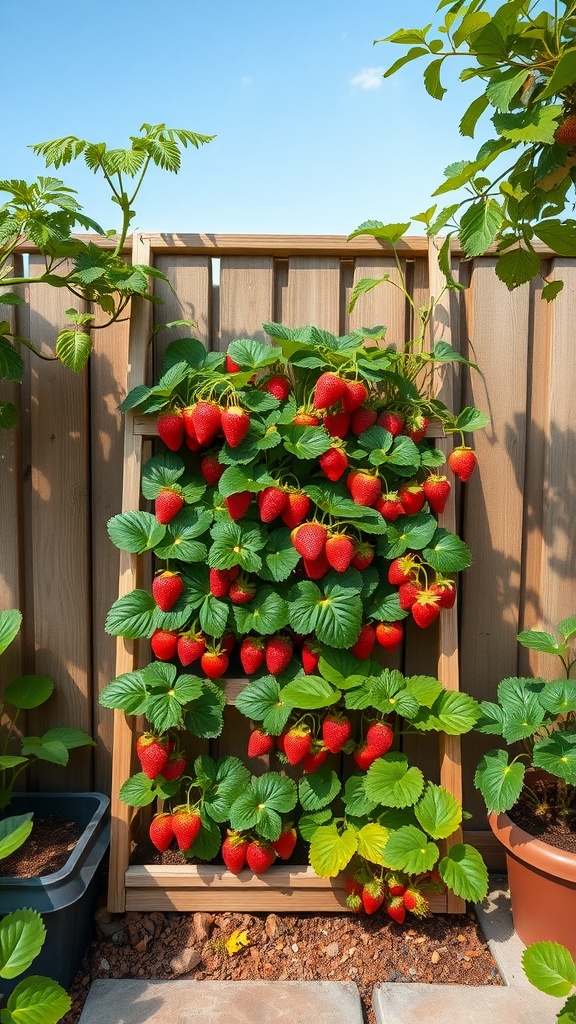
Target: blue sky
<point>310,138</point>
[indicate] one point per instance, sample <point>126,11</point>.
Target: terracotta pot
<point>542,885</point>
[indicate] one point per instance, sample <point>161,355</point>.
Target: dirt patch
<point>46,850</point>
<point>547,821</point>
<point>308,947</point>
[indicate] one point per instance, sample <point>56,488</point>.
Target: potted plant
<point>66,897</point>
<point>538,786</point>
<point>295,526</point>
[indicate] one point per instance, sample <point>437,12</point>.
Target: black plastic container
<point>66,898</point>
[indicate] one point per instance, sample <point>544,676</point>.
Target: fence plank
<point>246,298</point>
<point>385,305</point>
<point>313,293</point>
<point>187,296</point>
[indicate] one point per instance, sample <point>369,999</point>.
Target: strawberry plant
<point>283,563</point>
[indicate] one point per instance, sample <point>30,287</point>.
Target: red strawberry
<point>329,388</point>
<point>389,506</point>
<point>164,643</point>
<point>392,422</point>
<point>372,896</point>
<point>297,743</point>
<point>235,424</point>
<point>152,754</point>
<point>437,490</point>
<point>416,428</point>
<point>309,539</point>
<point>333,463</point>
<point>337,424</point>
<point>277,386</point>
<point>260,743</point>
<point>364,756</point>
<point>161,832</point>
<point>565,133</point>
<point>316,568</point>
<point>407,594</point>
<point>339,551</point>
<point>296,508</point>
<point>186,824</point>
<point>364,488</point>
<point>206,420</point>
<point>192,443</point>
<point>336,731</point>
<point>303,418</point>
<point>284,845</point>
<point>390,635</point>
<point>241,591</point>
<point>271,502</point>
<point>219,581</point>
<point>167,505</point>
<point>396,883</point>
<point>228,640</point>
<point>412,497</point>
<point>211,469</point>
<point>231,366</point>
<point>403,569</point>
<point>166,589</point>
<point>365,643</point>
<point>191,646</point>
<point>234,852</point>
<point>174,767</point>
<point>379,737</point>
<point>280,741</point>
<point>462,462</point>
<point>416,902</point>
<point>187,416</point>
<point>214,663</point>
<point>251,654</point>
<point>426,608</point>
<point>171,429</point>
<point>310,657</point>
<point>396,910</point>
<point>446,592</point>
<point>364,556</point>
<point>314,760</point>
<point>362,419</point>
<point>238,504</point>
<point>278,654</point>
<point>260,856</point>
<point>355,394</point>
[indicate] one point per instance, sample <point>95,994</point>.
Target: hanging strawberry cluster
<point>295,520</point>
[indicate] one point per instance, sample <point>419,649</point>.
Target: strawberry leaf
<point>259,807</point>
<point>205,715</point>
<point>234,480</point>
<point>309,693</point>
<point>266,613</point>
<point>447,553</point>
<point>319,789</point>
<point>213,615</point>
<point>372,842</point>
<point>208,841</point>
<point>408,533</point>
<point>392,782</point>
<point>237,544</point>
<point>132,616</point>
<point>135,531</point>
<point>355,800</point>
<point>14,831</point>
<point>248,449</point>
<point>309,822</point>
<point>426,689</point>
<point>438,812</point>
<point>453,712</point>
<point>179,540</point>
<point>139,790</point>
<point>258,698</point>
<point>279,557</point>
<point>499,782</point>
<point>127,692</point>
<point>306,442</point>
<point>557,755</point>
<point>161,472</point>
<point>342,668</point>
<point>523,713</point>
<point>331,851</point>
<point>254,355</point>
<point>184,350</point>
<point>333,613</point>
<point>464,872</point>
<point>409,850</point>
<point>384,604</point>
<point>559,696</point>
<point>538,640</point>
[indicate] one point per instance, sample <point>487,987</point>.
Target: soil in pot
<point>46,850</point>
<point>546,823</point>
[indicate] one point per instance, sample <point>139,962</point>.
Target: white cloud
<point>368,78</point>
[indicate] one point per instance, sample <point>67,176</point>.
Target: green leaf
<point>135,531</point>
<point>523,713</point>
<point>445,258</point>
<point>8,415</point>
<point>10,622</point>
<point>559,696</point>
<point>426,689</point>
<point>237,544</point>
<point>445,353</point>
<point>331,851</point>
<point>36,1000</point>
<point>279,557</point>
<point>231,779</point>
<point>260,698</point>
<point>309,822</point>
<point>470,419</point>
<point>560,236</point>
<point>538,640</point>
<point>432,81</point>
<point>139,790</point>
<point>499,782</point>
<point>550,967</point>
<point>366,284</point>
<point>470,118</point>
<point>453,712</point>
<point>265,614</point>
<point>309,693</point>
<point>384,604</point>
<point>54,752</point>
<point>372,840</point>
<point>564,74</point>
<point>342,668</point>
<point>447,553</point>
<point>537,124</point>
<point>73,348</point>
<point>260,806</point>
<point>517,266</point>
<point>409,533</point>
<point>306,442</point>
<point>179,541</point>
<point>413,53</point>
<point>567,627</point>
<point>551,289</point>
<point>160,473</point>
<point>478,226</point>
<point>409,850</point>
<point>213,615</point>
<point>438,812</point>
<point>205,715</point>
<point>14,831</point>
<point>208,841</point>
<point>132,616</point>
<point>392,782</point>
<point>127,692</point>
<point>557,755</point>
<point>234,480</point>
<point>491,719</point>
<point>319,789</point>
<point>22,935</point>
<point>464,872</point>
<point>334,613</point>
<point>390,232</point>
<point>11,362</point>
<point>183,350</point>
<point>29,691</point>
<point>69,738</point>
<point>254,355</point>
<point>502,88</point>
<point>355,800</point>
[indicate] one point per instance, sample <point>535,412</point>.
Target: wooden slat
<point>313,293</point>
<point>385,305</point>
<point>246,298</point>
<point>126,651</point>
<point>186,296</point>
<point>60,540</point>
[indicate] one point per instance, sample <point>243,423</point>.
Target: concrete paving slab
<point>220,1002</point>
<point>458,1004</point>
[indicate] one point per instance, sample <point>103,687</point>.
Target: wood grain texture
<point>313,293</point>
<point>186,296</point>
<point>384,305</point>
<point>60,540</point>
<point>246,298</point>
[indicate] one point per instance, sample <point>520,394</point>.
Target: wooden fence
<point>61,471</point>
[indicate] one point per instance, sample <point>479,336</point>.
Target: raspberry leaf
<point>447,552</point>
<point>309,693</point>
<point>464,872</point>
<point>331,851</point>
<point>205,715</point>
<point>438,812</point>
<point>266,613</point>
<point>372,842</point>
<point>392,782</point>
<point>135,531</point>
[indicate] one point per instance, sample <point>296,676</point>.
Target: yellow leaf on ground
<point>236,942</point>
